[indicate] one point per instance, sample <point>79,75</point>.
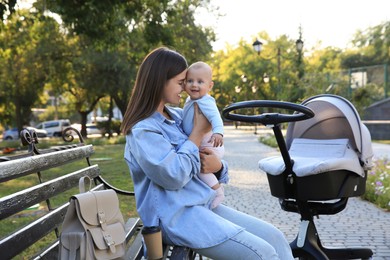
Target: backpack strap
<point>82,181</point>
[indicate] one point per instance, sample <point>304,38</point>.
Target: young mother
<point>164,163</point>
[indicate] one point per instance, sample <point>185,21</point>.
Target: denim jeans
<point>259,240</point>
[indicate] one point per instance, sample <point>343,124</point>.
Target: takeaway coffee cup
<point>153,242</point>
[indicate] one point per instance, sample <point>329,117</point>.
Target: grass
<point>378,178</point>
<point>269,140</point>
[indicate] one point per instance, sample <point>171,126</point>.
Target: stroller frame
<point>307,244</point>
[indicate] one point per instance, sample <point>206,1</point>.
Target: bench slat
<point>28,235</point>
<point>41,151</point>
<point>132,226</point>
<point>135,251</point>
<point>19,201</point>
<point>20,167</point>
<point>49,254</point>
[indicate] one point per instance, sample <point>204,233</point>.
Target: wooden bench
<point>26,228</point>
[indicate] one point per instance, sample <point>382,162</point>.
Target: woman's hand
<point>209,162</point>
<point>201,126</point>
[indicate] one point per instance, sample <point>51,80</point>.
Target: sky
<point>328,23</point>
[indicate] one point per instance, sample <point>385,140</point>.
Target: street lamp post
<point>254,90</point>
<point>238,89</point>
<point>299,47</point>
<point>247,89</point>
<point>244,79</point>
<point>257,46</point>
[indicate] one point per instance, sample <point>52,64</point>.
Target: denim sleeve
<point>168,163</point>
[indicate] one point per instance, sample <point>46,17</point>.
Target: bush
<point>269,140</point>
<point>378,184</point>
<point>114,126</point>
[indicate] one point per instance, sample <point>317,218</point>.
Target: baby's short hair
<point>201,64</point>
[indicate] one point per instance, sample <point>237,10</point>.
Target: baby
<point>198,84</point>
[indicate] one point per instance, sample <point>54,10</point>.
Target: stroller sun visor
<point>361,136</point>
<point>334,139</point>
<point>313,156</point>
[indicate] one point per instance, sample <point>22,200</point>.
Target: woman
<point>164,163</point>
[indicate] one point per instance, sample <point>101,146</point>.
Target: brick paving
<point>361,224</point>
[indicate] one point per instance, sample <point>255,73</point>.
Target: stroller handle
<point>268,118</point>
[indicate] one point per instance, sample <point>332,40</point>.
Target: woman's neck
<point>163,111</point>
<point>161,108</point>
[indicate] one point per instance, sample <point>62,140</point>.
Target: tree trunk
<point>110,117</point>
<point>83,115</point>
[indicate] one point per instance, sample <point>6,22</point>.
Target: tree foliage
<point>26,58</point>
<point>122,32</point>
<point>371,47</point>
<point>97,48</point>
<point>281,68</point>
<point>94,53</point>
<point>7,7</point>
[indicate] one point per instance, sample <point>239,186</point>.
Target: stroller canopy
<point>335,130</point>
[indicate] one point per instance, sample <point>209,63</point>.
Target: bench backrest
<point>45,221</point>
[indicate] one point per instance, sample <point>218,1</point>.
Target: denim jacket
<point>164,166</point>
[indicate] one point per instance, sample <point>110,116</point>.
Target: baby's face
<point>198,82</point>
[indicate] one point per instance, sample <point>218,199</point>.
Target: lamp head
<point>265,78</point>
<point>257,46</point>
<point>299,45</point>
<point>244,78</point>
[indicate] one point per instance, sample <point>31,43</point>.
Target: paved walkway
<point>361,224</point>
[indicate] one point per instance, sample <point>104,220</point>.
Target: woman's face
<point>173,88</point>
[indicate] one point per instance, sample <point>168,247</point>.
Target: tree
<point>168,23</point>
<point>281,68</point>
<point>127,30</point>
<point>24,59</point>
<point>7,7</point>
<point>371,47</point>
<point>365,96</point>
<point>322,72</point>
<point>110,73</point>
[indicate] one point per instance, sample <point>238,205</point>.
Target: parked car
<point>14,134</point>
<point>54,127</point>
<point>92,129</point>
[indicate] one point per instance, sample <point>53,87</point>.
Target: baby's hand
<point>216,140</point>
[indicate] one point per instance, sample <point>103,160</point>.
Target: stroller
<point>324,161</point>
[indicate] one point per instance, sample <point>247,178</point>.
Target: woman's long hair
<point>159,66</point>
